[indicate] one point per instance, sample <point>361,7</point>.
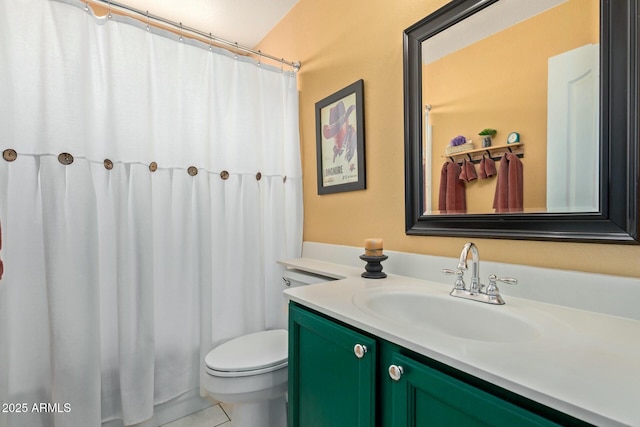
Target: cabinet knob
<point>360,350</point>
<point>395,372</point>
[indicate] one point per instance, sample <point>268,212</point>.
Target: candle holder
<point>373,267</point>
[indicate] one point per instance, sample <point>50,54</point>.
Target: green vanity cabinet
<point>329,384</point>
<point>423,396</point>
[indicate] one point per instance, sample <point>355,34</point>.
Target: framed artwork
<point>340,140</point>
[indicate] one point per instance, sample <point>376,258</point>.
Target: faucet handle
<point>507,280</point>
<point>492,288</point>
<point>458,273</point>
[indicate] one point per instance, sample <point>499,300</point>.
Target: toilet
<point>250,371</point>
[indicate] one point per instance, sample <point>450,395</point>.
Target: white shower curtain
<point>118,281</point>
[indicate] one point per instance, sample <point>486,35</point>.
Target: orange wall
<point>339,42</point>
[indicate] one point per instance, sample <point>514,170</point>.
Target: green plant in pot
<point>486,135</point>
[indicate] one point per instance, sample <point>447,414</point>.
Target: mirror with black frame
<point>555,83</point>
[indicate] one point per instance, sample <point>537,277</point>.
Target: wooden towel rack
<point>494,152</point>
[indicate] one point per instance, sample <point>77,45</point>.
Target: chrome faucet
<point>489,294</point>
<point>475,265</point>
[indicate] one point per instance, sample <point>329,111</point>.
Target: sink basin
<point>447,315</point>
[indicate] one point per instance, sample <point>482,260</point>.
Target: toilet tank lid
<point>250,352</point>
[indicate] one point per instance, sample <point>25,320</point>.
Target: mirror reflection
<point>511,110</point>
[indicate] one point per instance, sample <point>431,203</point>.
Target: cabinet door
<point>426,397</point>
<point>329,385</point>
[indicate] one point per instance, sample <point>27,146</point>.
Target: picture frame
<point>340,140</point>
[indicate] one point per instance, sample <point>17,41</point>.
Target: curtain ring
<point>9,154</point>
<point>108,164</point>
<point>65,158</point>
<point>153,166</point>
<point>259,58</point>
<point>224,175</point>
<point>193,171</point>
<point>180,38</point>
<point>148,22</point>
<point>284,179</point>
<point>258,176</point>
<point>109,15</point>
<point>210,43</point>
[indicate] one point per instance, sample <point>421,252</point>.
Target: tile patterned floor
<point>215,416</point>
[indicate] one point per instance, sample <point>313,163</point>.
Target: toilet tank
<point>294,278</point>
<point>279,307</point>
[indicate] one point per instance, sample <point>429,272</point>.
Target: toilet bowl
<point>250,372</point>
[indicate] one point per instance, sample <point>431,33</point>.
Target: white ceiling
<point>243,21</point>
<point>485,23</point>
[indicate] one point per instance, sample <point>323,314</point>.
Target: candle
<point>373,247</point>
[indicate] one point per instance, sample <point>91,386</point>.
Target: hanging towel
<point>509,186</point>
<point>482,174</point>
<point>468,171</point>
<point>490,167</point>
<point>452,197</point>
<point>486,168</point>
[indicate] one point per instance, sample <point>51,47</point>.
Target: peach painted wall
<point>341,41</point>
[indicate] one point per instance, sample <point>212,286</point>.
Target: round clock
<point>513,137</point>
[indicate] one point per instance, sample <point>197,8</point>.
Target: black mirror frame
<point>617,221</point>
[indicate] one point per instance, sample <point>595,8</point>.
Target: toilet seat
<point>252,354</point>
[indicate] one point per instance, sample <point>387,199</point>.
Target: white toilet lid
<point>251,352</point>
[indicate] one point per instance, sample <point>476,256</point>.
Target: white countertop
<point>584,364</point>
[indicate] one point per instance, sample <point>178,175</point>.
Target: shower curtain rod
<point>178,25</point>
